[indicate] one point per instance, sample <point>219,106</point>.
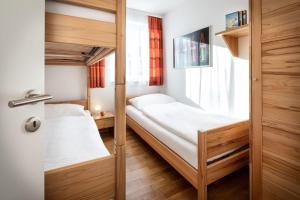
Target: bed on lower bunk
<point>77,164</point>
<point>203,147</point>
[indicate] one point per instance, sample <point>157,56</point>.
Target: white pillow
<point>150,99</point>
<point>62,110</point>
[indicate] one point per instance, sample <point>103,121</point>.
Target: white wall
<point>70,83</point>
<point>105,96</point>
<point>191,85</point>
<point>66,82</point>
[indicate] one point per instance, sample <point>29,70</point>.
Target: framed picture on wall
<point>192,50</point>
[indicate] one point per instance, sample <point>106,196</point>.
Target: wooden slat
<point>176,161</point>
<point>65,54</point>
<point>280,20</point>
<point>226,138</point>
<point>281,57</point>
<point>76,30</point>
<point>93,179</point>
<point>106,5</point>
<point>99,55</point>
<point>221,168</point>
<point>82,102</point>
<point>69,61</point>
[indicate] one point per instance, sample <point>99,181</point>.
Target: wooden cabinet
<point>275,99</point>
<point>106,121</point>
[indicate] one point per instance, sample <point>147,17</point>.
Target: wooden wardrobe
<point>275,61</point>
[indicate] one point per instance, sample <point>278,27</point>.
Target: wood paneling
<point>81,31</point>
<point>106,5</point>
<point>93,179</point>
<point>280,100</point>
<point>279,57</point>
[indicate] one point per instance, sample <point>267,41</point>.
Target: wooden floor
<point>150,177</point>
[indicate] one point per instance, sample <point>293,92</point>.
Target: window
<point>137,50</point>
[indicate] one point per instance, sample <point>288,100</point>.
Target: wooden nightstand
<point>106,121</point>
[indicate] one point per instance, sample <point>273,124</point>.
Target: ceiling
<point>157,7</point>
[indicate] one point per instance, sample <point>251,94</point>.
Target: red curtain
<point>156,50</point>
<point>97,74</point>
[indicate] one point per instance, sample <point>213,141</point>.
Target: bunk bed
<point>73,40</point>
<point>202,157</point>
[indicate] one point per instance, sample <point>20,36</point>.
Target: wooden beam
<point>256,100</point>
<point>105,5</point>
<point>80,31</point>
<point>120,102</point>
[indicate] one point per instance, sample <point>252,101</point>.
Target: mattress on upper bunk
<point>71,136</point>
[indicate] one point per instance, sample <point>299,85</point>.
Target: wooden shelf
<point>231,38</point>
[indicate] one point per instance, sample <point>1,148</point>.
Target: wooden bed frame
<point>93,179</point>
<point>73,40</point>
<point>210,143</point>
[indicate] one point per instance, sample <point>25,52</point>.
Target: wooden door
<point>275,58</point>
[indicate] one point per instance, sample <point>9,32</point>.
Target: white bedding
<point>184,148</point>
<point>184,120</point>
<point>70,140</point>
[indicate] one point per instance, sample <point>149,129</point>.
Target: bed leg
<point>202,193</point>
<point>202,164</point>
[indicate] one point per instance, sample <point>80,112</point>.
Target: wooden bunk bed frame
<point>78,41</point>
<point>210,143</point>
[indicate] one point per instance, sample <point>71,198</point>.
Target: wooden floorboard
<point>150,177</point>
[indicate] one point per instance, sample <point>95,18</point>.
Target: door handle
<point>30,98</point>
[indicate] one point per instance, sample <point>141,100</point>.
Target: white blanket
<point>185,121</point>
<point>70,140</point>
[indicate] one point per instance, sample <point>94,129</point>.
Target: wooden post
<point>120,102</point>
<point>202,160</point>
<point>256,100</point>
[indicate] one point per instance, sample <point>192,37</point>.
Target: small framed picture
<point>232,20</point>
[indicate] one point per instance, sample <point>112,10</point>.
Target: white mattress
<point>184,148</point>
<point>185,121</point>
<point>70,140</point>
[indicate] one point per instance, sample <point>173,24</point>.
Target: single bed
<point>76,162</point>
<point>218,147</point>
